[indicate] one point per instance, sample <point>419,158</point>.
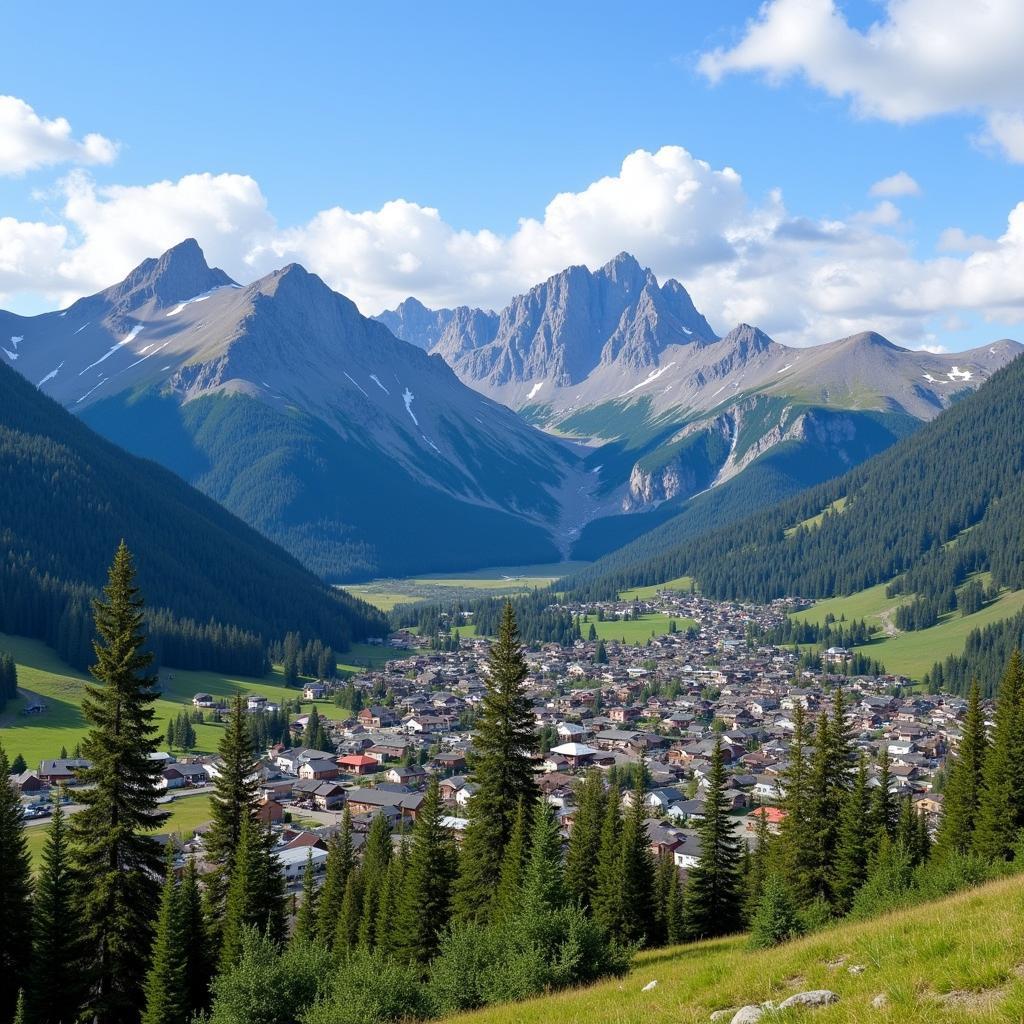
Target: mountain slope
<point>358,452</point>
<point>667,410</point>
<point>69,497</point>
<point>952,961</point>
<point>935,508</point>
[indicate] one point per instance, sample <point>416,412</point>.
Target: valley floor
<point>955,961</point>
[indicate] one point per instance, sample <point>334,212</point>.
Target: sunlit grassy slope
<point>41,672</point>
<point>956,961</point>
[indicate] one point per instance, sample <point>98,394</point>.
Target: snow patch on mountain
<point>51,374</point>
<point>10,355</point>
<point>103,380</point>
<point>82,328</point>
<point>650,379</point>
<point>199,298</point>
<point>536,387</point>
<point>407,397</point>
<point>376,380</point>
<point>357,384</point>
<point>957,374</point>
<point>126,340</point>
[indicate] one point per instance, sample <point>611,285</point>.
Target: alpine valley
<point>592,408</point>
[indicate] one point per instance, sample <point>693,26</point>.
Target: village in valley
<point>659,706</point>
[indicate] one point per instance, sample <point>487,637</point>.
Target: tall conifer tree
<point>503,772</point>
<point>55,989</point>
<point>165,981</point>
<point>855,841</point>
<point>15,896</point>
<point>962,795</point>
<point>637,867</point>
<point>606,903</point>
<point>340,861</point>
<point>585,839</point>
<point>425,907</point>
<point>998,816</point>
<point>714,893</point>
<point>117,860</point>
<point>195,942</point>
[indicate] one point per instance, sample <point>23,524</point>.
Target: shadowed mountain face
<point>360,453</point>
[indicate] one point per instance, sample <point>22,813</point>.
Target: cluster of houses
<point>665,702</point>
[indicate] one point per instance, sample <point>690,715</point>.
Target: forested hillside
<point>218,592</point>
<point>962,472</point>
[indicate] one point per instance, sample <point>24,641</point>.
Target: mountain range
<point>593,407</point>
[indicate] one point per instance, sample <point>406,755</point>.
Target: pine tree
<point>797,841</point>
<point>585,839</point>
<point>18,765</point>
<point>713,895</point>
<point>637,867</point>
<point>171,734</point>
<point>675,915</point>
<point>543,888</point>
<point>376,859</point>
<point>198,965</point>
<point>346,932</point>
<point>884,811</point>
<point>305,920</point>
<point>962,794</point>
<point>776,919</point>
<point>165,982</point>
<point>55,981</point>
<point>759,864</point>
<point>513,867</point>
<point>234,788</point>
<point>255,894</point>
<point>998,817</point>
<point>503,772</point>
<point>340,861</point>
<point>387,912</point>
<point>425,907</point>
<point>316,737</point>
<point>15,896</point>
<point>606,903</point>
<point>117,861</point>
<point>664,870</point>
<point>855,841</point>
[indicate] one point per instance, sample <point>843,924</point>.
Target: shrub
<point>370,988</point>
<point>776,919</point>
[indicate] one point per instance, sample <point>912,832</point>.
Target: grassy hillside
<point>42,673</point>
<point>911,653</point>
<point>956,961</point>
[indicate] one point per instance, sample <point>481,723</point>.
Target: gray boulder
<point>817,997</point>
<point>748,1014</point>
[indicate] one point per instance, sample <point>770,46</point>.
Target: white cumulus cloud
<point>919,59</point>
<point>898,184</point>
<point>28,141</point>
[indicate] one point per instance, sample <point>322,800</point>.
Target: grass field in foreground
<point>41,672</point>
<point>912,653</point>
<point>956,961</point>
<point>644,593</point>
<point>187,814</point>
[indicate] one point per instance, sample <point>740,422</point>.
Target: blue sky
<point>485,112</point>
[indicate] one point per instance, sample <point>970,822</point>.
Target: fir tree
<point>425,907</point>
<point>998,816</point>
<point>543,888</point>
<point>387,912</point>
<point>776,919</point>
<point>759,863</point>
<point>884,811</point>
<point>855,841</point>
<point>606,903</point>
<point>55,981</point>
<point>513,867</point>
<point>235,789</point>
<point>117,861</point>
<point>503,772</point>
<point>637,871</point>
<point>664,870</point>
<point>255,894</point>
<point>962,794</point>
<point>713,895</point>
<point>675,915</point>
<point>165,982</point>
<point>346,932</point>
<point>316,738</point>
<point>376,859</point>
<point>797,838</point>
<point>585,839</point>
<point>171,734</point>
<point>18,765</point>
<point>15,896</point>
<point>340,861</point>
<point>305,920</point>
<point>195,943</point>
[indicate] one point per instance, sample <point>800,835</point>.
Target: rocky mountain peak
<point>180,274</point>
<point>747,340</point>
